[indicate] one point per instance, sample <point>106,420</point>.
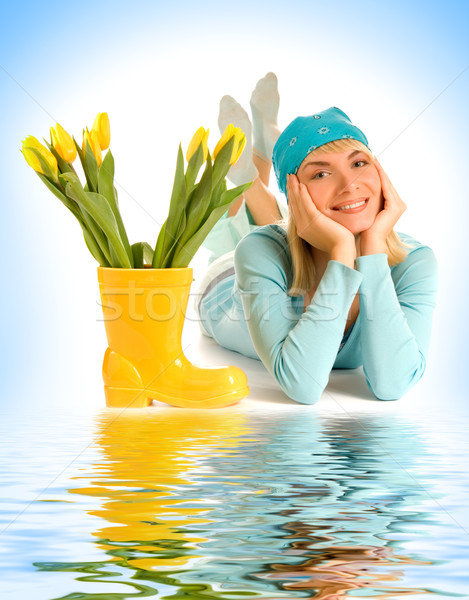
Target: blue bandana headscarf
<point>305,134</point>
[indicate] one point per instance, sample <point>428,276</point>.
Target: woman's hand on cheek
<point>311,224</point>
<point>373,239</point>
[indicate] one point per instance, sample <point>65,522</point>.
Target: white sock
<point>232,112</point>
<point>265,102</point>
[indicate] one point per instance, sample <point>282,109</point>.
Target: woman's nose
<point>349,182</point>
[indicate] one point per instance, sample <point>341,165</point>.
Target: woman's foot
<point>232,112</point>
<point>265,101</point>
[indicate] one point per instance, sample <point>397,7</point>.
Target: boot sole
<point>135,398</point>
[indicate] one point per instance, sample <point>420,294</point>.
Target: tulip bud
<point>200,137</point>
<point>63,143</point>
<point>92,139</point>
<point>238,146</point>
<point>32,147</point>
<point>103,130</point>
<point>227,135</point>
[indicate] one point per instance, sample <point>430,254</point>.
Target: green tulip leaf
<point>157,256</point>
<point>116,197</point>
<point>137,251</point>
<point>229,196</point>
<point>177,243</point>
<point>193,168</point>
<point>186,253</point>
<point>98,207</point>
<point>70,204</point>
<point>216,196</point>
<point>198,204</point>
<point>99,236</point>
<point>92,167</point>
<point>91,174</point>
<point>115,262</point>
<point>106,188</point>
<point>83,164</point>
<point>106,179</point>
<point>142,253</point>
<point>95,239</point>
<point>94,248</point>
<point>147,253</point>
<point>176,206</point>
<point>221,165</point>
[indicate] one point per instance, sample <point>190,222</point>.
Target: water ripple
<point>224,504</point>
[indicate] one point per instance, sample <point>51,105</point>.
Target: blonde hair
<point>304,268</point>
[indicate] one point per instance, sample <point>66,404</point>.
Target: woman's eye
<point>317,175</point>
<point>357,162</point>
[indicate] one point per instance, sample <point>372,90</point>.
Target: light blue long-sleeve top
<point>251,312</point>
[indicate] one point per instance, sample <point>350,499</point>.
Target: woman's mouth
<point>353,207</point>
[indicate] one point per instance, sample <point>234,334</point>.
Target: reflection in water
<point>344,545</point>
<point>146,463</point>
<point>224,505</point>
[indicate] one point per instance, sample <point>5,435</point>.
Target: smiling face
<point>340,179</point>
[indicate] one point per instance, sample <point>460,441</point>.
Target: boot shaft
<point>144,309</point>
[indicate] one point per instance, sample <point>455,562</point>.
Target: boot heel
<point>126,398</point>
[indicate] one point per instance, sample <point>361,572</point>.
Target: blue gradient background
<point>159,70</point>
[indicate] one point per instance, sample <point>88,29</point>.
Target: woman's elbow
<point>392,386</point>
<point>297,384</point>
<point>386,395</point>
<point>302,394</point>
<point>394,390</point>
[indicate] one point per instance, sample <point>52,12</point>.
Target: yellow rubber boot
<point>144,312</point>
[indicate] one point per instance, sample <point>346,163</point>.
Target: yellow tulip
<point>103,130</point>
<point>227,135</point>
<point>92,139</point>
<point>200,137</point>
<point>31,143</point>
<point>63,143</point>
<point>239,143</point>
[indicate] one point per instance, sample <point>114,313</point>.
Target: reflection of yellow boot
<point>144,312</point>
<point>150,516</point>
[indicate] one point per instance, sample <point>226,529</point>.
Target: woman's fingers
<point>389,191</point>
<point>379,168</point>
<point>385,181</point>
<point>394,206</point>
<point>386,184</point>
<point>381,172</point>
<point>292,181</point>
<point>302,196</point>
<point>299,205</point>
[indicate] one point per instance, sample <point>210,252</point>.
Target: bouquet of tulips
<point>195,206</point>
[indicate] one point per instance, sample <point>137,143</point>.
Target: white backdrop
<point>400,72</point>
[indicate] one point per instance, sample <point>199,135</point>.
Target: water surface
<point>233,504</point>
